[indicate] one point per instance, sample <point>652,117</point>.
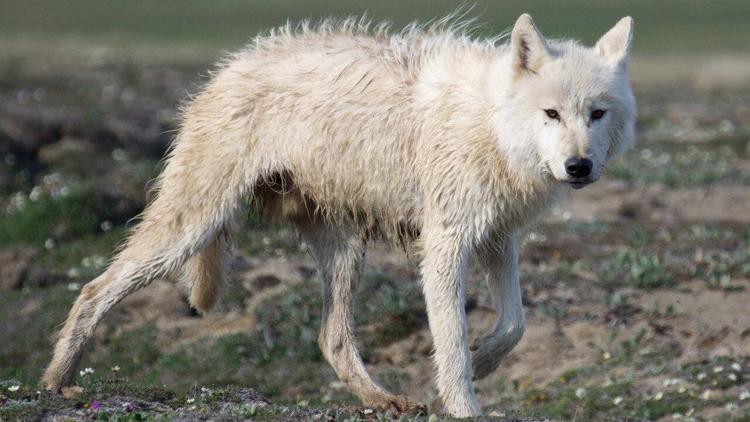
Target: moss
<point>77,214</point>
<point>72,254</point>
<point>24,355</point>
<point>134,351</point>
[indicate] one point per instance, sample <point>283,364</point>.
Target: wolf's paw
<point>67,391</point>
<point>483,366</point>
<point>57,381</point>
<point>483,360</point>
<point>71,392</point>
<point>53,384</point>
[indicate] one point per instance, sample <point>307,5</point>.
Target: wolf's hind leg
<point>154,250</point>
<point>339,256</point>
<point>139,264</point>
<point>196,200</point>
<point>150,254</point>
<point>501,263</point>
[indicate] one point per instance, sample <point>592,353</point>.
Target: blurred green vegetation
<point>71,216</point>
<point>674,26</point>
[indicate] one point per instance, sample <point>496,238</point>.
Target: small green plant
<point>620,306</point>
<point>720,372</point>
<point>718,269</point>
<point>636,269</point>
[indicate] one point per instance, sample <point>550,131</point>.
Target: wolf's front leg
<point>339,255</point>
<point>500,260</point>
<point>444,263</point>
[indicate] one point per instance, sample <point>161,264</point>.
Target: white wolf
<point>427,136</point>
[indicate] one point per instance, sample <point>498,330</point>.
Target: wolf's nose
<point>578,167</point>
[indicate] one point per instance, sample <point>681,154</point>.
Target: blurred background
<point>645,318</point>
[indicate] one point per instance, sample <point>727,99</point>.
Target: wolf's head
<point>572,106</point>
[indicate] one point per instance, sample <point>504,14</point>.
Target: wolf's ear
<point>615,44</point>
<point>527,45</point>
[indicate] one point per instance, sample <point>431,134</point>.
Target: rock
<point>264,281</point>
<point>139,132</point>
<point>24,131</point>
<point>272,273</point>
<point>14,264</point>
<point>66,150</point>
<point>42,277</point>
<point>245,396</point>
<point>248,395</point>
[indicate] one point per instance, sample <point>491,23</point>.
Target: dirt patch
<point>707,323</point>
<point>610,200</point>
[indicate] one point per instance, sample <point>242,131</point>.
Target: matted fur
<point>425,137</point>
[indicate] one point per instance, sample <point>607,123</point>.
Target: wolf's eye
<point>552,114</point>
<point>597,114</point>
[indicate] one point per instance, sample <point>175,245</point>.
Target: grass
<point>395,310</point>
<point>666,26</point>
<point>68,216</point>
<point>84,257</point>
<point>117,400</point>
<point>680,166</point>
<point>637,269</point>
<point>594,393</point>
<point>719,372</point>
<point>719,268</point>
<point>23,356</point>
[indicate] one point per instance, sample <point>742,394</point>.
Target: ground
<point>635,288</point>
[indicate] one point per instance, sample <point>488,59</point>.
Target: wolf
<point>427,136</point>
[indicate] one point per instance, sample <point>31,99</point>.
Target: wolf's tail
<point>204,274</point>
